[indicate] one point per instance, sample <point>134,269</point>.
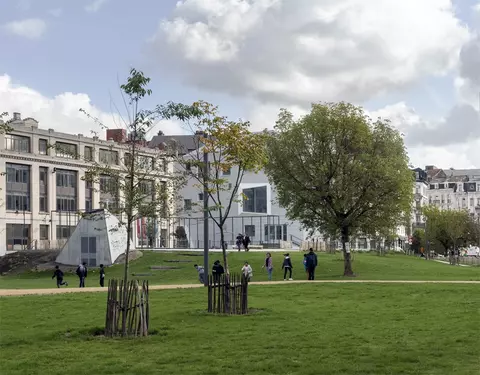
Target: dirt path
<point>24,292</point>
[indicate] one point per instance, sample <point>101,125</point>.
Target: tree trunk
<point>347,261</point>
<point>227,271</point>
<point>125,279</point>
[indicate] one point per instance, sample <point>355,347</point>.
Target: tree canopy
<point>339,172</point>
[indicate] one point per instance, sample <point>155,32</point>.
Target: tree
<point>339,172</point>
<point>418,240</point>
<point>137,179</point>
<point>233,149</point>
<point>4,125</point>
<point>448,227</point>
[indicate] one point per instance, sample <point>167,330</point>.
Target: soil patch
<point>191,255</point>
<point>28,260</point>
<point>163,268</point>
<point>178,261</point>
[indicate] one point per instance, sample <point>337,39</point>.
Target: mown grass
<point>299,329</point>
<point>366,266</point>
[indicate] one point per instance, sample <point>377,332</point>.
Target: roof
<point>187,143</point>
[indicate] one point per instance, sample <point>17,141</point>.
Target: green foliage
<point>232,149</point>
<point>4,127</point>
<point>450,228</point>
<point>339,172</point>
<point>418,240</point>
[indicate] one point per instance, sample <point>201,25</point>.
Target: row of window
<point>70,151</point>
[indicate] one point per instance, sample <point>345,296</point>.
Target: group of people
<point>81,272</point>
<point>243,240</point>
<point>310,263</point>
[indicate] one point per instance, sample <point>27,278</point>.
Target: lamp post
<point>25,235</point>
<point>205,214</point>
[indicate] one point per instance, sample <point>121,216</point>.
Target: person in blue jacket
<point>311,264</point>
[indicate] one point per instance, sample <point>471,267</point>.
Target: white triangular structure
<point>98,239</point>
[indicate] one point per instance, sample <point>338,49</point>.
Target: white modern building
<point>42,186</point>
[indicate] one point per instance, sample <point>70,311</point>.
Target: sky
<point>414,62</point>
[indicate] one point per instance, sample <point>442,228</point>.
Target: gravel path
<point>24,292</point>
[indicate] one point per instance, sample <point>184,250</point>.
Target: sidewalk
<point>24,292</point>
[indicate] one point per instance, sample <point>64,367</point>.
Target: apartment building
<point>454,188</point>
<point>42,185</point>
<point>420,191</point>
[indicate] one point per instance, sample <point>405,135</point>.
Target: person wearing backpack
<point>287,267</point>
<point>59,275</point>
<point>311,264</point>
<point>82,274</point>
<point>102,275</point>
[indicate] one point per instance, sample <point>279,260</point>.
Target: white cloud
<point>62,111</point>
<point>31,28</point>
<point>57,12</point>
<point>299,51</point>
<point>95,5</point>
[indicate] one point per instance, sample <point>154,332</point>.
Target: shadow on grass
<point>98,333</point>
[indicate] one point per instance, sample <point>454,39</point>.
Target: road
<point>24,292</point>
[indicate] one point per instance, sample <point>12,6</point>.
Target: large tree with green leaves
<point>232,150</point>
<point>450,228</point>
<point>338,172</point>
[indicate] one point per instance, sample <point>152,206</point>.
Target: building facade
<point>42,184</point>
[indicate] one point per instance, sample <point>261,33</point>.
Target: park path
<point>24,292</point>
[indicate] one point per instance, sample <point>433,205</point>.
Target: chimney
<point>17,116</point>
<point>117,135</point>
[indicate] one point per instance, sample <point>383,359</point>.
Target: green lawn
<point>300,329</point>
<point>367,267</point>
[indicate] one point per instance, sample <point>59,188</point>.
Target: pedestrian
<point>102,276</point>
<point>82,274</point>
<point>246,242</point>
<point>268,265</point>
<point>305,264</point>
<point>217,271</point>
<point>59,275</point>
<point>451,257</point>
<point>201,273</point>
<point>311,264</point>
<point>287,267</point>
<point>247,271</point>
<point>239,241</point>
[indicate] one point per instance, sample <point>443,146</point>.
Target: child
<point>59,275</point>
<point>287,266</point>
<point>268,265</point>
<point>102,276</point>
<point>247,271</point>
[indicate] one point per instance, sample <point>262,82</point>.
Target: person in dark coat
<point>102,276</point>
<point>217,270</point>
<point>59,275</point>
<point>311,264</point>
<point>287,267</point>
<point>82,274</point>
<point>239,242</point>
<point>246,242</point>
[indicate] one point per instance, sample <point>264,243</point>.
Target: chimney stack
<point>17,116</point>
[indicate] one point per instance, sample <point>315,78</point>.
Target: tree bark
<point>347,261</point>
<point>227,271</point>
<point>125,279</point>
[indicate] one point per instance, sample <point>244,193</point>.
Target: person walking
<point>239,241</point>
<point>305,264</point>
<point>82,274</point>
<point>59,275</point>
<point>102,276</point>
<point>287,267</point>
<point>217,271</point>
<point>268,265</point>
<point>246,242</point>
<point>311,264</point>
<point>201,273</point>
<point>247,271</point>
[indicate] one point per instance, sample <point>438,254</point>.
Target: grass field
<point>367,267</point>
<point>299,329</point>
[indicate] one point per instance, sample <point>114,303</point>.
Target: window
<point>187,204</point>
<point>432,186</point>
<point>230,186</point>
<point>255,200</point>
<point>43,189</point>
<point>146,162</point>
<point>66,178</point>
<point>200,196</point>
<point>43,232</point>
<point>441,186</point>
<point>43,204</point>
<point>66,203</point>
<point>108,184</point>
<point>64,231</point>
<point>65,150</point>
<point>42,147</point>
<point>17,236</point>
<point>478,202</point>
<point>227,172</point>
<point>250,230</point>
<point>18,187</point>
<point>472,203</point>
<point>188,166</point>
<point>275,232</point>
<point>148,189</point>
<point>108,157</point>
<point>17,143</point>
<point>88,153</point>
